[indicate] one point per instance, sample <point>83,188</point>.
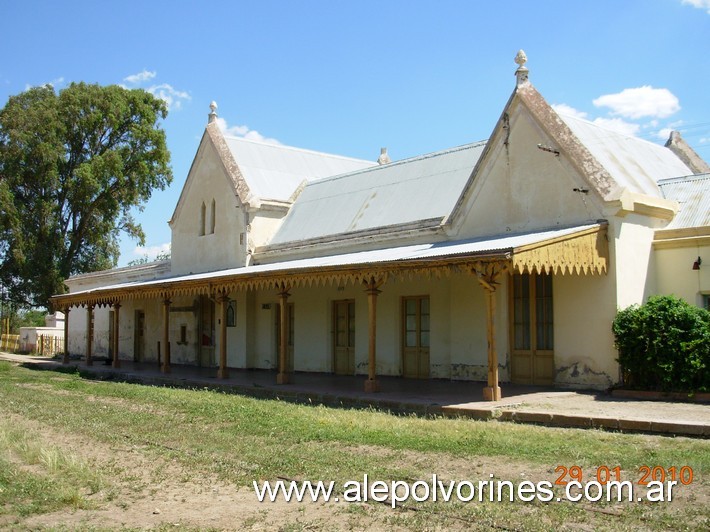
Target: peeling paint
<point>579,375</point>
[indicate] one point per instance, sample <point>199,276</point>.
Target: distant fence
<point>49,345</point>
<point>9,342</point>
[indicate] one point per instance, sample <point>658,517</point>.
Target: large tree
<point>72,167</point>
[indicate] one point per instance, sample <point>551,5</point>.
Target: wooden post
<point>492,392</point>
<point>116,360</point>
<point>223,372</point>
<point>165,368</point>
<point>283,376</point>
<point>487,274</point>
<point>372,384</point>
<point>89,334</point>
<point>65,359</point>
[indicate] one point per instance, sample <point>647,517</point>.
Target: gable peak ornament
<point>521,73</point>
<point>213,112</point>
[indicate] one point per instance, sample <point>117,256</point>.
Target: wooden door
<point>289,338</point>
<point>531,325</point>
<point>139,336</point>
<point>207,332</point>
<point>344,337</point>
<point>415,337</point>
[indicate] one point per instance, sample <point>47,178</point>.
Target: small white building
<point>502,260</point>
<point>49,338</point>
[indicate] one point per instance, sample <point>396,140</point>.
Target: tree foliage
<point>72,167</point>
<point>664,345</point>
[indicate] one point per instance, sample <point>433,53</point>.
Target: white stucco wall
<point>630,243</point>
<point>191,251</point>
<point>674,272</point>
<point>584,308</point>
<point>521,188</point>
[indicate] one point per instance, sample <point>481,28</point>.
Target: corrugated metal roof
<point>693,195</point>
<point>405,191</point>
<point>474,247</point>
<point>632,162</point>
<point>274,171</point>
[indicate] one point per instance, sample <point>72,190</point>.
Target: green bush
<point>664,345</point>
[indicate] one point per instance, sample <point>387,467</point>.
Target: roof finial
<point>384,158</point>
<point>522,73</point>
<point>213,114</point>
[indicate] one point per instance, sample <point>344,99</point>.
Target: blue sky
<point>350,77</point>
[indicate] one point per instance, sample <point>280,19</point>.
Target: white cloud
<point>171,96</point>
<point>54,83</point>
<point>564,109</point>
<point>152,251</point>
<point>700,4</point>
<point>640,102</point>
<point>141,77</point>
<point>618,125</point>
<point>664,133</point>
<point>243,131</point>
<point>704,140</point>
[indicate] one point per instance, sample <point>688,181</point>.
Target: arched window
<point>203,213</point>
<point>213,218</point>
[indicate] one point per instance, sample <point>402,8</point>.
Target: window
<point>213,219</point>
<point>232,313</point>
<point>706,301</point>
<point>183,335</point>
<point>203,213</point>
<point>523,318</point>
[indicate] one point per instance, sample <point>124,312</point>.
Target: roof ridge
<point>295,148</point>
<point>610,130</point>
<point>400,162</point>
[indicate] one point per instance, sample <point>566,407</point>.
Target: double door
<point>532,339</point>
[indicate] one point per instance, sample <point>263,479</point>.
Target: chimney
<point>213,112</point>
<point>384,158</point>
<point>522,73</point>
<point>685,153</point>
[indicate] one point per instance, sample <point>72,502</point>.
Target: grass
<point>35,478</point>
<point>239,440</point>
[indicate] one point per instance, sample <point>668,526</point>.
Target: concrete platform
<point>520,404</point>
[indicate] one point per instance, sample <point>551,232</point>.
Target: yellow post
<point>65,359</point>
<point>372,384</point>
<point>492,392</point>
<point>89,334</point>
<point>116,360</point>
<point>283,376</point>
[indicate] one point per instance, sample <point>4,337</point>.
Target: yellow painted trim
<point>689,242</point>
<point>586,252</point>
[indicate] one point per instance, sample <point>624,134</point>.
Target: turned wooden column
<point>492,392</point>
<point>116,322</point>
<point>65,360</point>
<point>283,376</point>
<point>488,274</point>
<point>372,384</point>
<point>165,368</point>
<point>89,334</point>
<point>223,372</point>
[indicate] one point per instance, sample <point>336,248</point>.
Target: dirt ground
<point>147,492</point>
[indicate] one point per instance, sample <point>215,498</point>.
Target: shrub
<point>664,345</point>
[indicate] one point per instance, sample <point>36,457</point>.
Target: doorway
<point>415,337</point>
<point>139,336</point>
<point>344,337</point>
<point>206,332</point>
<point>531,329</point>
